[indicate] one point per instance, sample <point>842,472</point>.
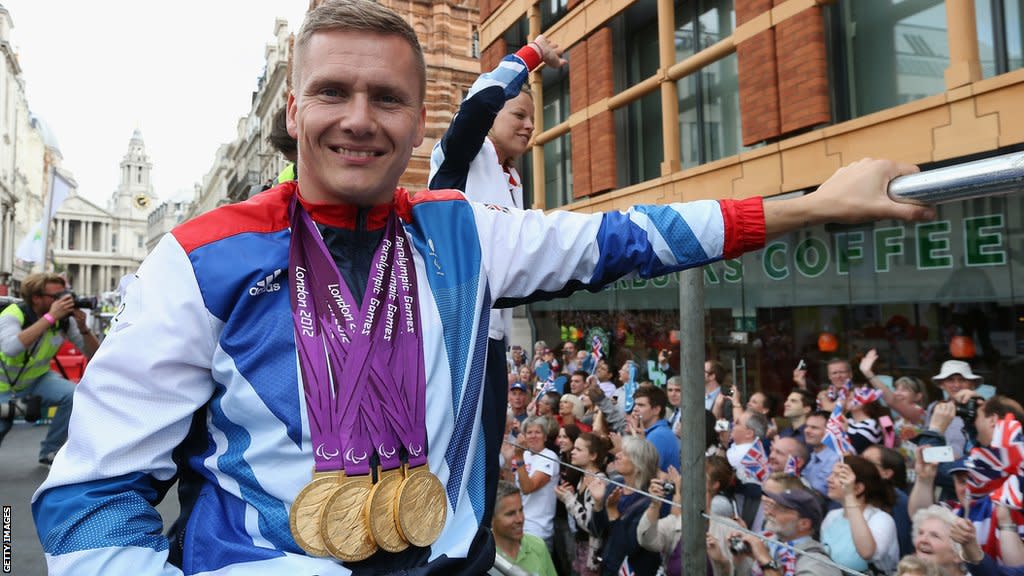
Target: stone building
<point>244,166</point>
<point>94,246</point>
<point>28,151</point>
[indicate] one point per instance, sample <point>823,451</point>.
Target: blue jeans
<point>54,391</point>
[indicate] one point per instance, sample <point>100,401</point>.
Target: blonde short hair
<point>577,404</point>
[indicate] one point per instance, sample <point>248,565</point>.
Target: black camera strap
<point>27,315</point>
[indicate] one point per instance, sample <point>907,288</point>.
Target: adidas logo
<point>268,284</point>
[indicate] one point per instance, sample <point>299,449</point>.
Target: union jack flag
<point>1007,435</point>
<point>792,466</point>
<point>987,469</point>
<point>1003,457</point>
<point>786,560</point>
<point>864,396</point>
<point>755,462</point>
<point>835,432</point>
<point>596,349</point>
<point>838,394</point>
<point>625,569</point>
<point>1009,493</point>
<point>548,386</point>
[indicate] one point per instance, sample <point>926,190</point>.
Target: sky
<point>182,72</point>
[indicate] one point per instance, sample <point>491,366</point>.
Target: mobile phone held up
<point>937,454</point>
<point>801,365</point>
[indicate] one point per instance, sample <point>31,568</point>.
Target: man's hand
<point>80,320</point>
<point>800,378</point>
<point>853,194</point>
<point>62,307</point>
<point>549,52</point>
<point>758,551</point>
<point>635,427</point>
<point>964,396</point>
<point>715,551</point>
<point>942,415</point>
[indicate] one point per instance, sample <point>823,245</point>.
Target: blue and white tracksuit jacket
<point>207,329</point>
<point>465,158</point>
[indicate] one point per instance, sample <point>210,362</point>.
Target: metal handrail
<point>980,178</point>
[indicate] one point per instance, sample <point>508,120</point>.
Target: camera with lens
<point>30,408</point>
<point>669,488</point>
<point>967,412</point>
<point>738,545</point>
<point>89,302</point>
<point>726,390</point>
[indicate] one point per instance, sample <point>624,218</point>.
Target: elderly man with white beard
<point>791,516</point>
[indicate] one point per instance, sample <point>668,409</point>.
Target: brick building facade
<point>685,100</point>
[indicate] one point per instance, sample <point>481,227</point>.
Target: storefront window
<point>898,52</point>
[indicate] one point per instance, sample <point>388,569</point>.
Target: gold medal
<point>304,515</point>
<point>344,528</point>
<point>381,511</point>
<point>421,507</point>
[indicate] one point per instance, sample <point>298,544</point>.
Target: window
<point>895,52</point>
<point>113,241</point>
<point>709,108</point>
<point>141,241</point>
<point>643,132</point>
<point>999,35</point>
<point>552,11</point>
<point>709,101</point>
<point>558,152</point>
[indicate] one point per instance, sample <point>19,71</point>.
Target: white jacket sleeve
<point>94,513</point>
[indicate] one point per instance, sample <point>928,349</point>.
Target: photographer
<point>792,515</point>
<point>31,333</point>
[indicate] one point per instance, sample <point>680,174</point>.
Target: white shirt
<point>883,530</point>
<point>539,505</point>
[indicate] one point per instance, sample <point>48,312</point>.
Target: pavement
<point>20,475</point>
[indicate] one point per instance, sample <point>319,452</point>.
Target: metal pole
<point>989,177</point>
<point>691,368</point>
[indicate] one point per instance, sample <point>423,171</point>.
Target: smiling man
<point>352,386</point>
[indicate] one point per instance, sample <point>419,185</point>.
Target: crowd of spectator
<point>872,473</point>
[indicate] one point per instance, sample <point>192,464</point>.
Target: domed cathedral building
<point>96,246</point>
